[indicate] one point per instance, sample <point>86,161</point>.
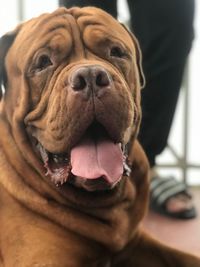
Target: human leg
<point>165,32</point>
<point>109,6</point>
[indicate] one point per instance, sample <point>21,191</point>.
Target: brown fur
<point>43,225</point>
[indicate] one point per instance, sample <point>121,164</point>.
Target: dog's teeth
<point>59,159</point>
<point>123,147</point>
<point>43,152</point>
<point>55,159</point>
<point>55,156</point>
<point>127,169</point>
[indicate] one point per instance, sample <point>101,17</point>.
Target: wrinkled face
<point>75,90</point>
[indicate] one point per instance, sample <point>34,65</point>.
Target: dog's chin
<point>98,184</point>
<point>95,163</point>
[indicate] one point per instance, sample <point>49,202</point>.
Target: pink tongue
<point>92,160</point>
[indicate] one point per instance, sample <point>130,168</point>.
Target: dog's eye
<point>117,52</point>
<point>43,62</point>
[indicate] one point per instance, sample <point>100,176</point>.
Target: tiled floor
<point>184,235</point>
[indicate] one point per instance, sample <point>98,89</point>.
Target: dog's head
<point>72,93</point>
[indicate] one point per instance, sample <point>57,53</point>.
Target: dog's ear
<point>5,42</point>
<point>138,56</point>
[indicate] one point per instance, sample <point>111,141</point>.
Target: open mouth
<point>96,162</point>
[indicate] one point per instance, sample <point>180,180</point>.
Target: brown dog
<point>69,194</point>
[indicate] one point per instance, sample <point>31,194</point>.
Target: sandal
<point>161,190</point>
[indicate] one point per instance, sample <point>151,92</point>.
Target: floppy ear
<point>138,56</point>
<point>5,42</point>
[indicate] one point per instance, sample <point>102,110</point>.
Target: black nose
<point>90,79</point>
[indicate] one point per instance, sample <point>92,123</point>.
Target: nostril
<point>102,79</point>
<point>78,83</point>
<point>90,78</point>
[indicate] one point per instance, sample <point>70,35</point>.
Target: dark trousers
<point>164,29</point>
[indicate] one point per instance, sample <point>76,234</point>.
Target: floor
<point>184,235</point>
